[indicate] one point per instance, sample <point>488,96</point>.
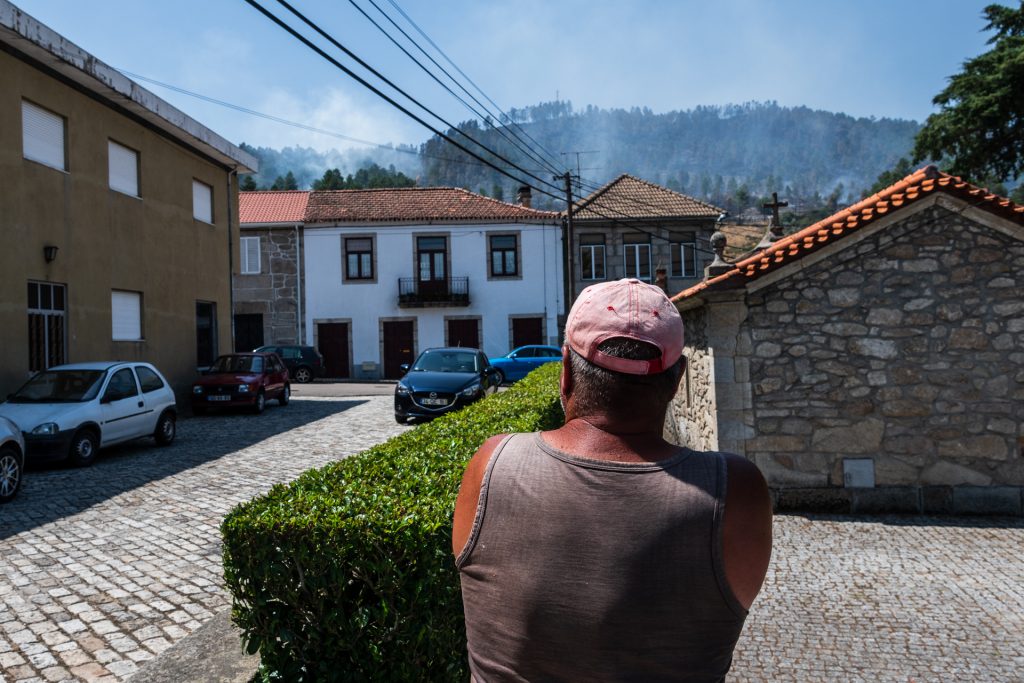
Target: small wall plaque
<point>859,473</point>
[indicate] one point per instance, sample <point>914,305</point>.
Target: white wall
<point>537,292</point>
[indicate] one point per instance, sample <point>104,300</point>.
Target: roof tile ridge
<point>656,186</point>
<point>586,201</point>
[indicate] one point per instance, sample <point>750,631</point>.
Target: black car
<point>304,363</point>
<point>442,380</point>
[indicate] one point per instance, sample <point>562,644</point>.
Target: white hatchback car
<point>71,411</point>
<point>12,459</point>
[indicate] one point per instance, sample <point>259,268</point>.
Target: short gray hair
<point>597,390</point>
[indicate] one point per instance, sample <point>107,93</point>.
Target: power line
<point>472,109</point>
<point>409,19</point>
<point>294,124</point>
<point>298,36</point>
<point>390,100</point>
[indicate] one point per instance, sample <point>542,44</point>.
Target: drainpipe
<point>231,265</point>
<point>298,285</point>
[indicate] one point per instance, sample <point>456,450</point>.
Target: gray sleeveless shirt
<point>588,570</point>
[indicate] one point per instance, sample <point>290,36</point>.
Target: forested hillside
<point>730,155</point>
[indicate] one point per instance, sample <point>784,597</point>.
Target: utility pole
<point>570,267</point>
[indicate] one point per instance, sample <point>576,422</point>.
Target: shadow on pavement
<point>969,522</point>
<point>54,490</point>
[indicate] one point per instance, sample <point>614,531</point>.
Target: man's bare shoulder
<point>469,492</point>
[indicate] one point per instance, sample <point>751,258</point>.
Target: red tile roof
<point>629,197</point>
<point>272,206</point>
<point>411,204</point>
<point>915,187</point>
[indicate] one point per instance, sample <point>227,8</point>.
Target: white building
<point>390,272</point>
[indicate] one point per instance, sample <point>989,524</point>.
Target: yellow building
<point>118,216</point>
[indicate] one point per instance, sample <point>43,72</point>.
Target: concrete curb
<point>211,654</point>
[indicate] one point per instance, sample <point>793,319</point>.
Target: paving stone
<point>127,553</point>
<point>129,549</point>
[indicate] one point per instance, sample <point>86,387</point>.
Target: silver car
<point>12,459</point>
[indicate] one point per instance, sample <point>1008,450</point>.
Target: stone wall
<point>906,348</point>
<point>691,419</point>
<point>275,290</point>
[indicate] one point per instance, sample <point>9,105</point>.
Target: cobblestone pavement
<point>106,567</point>
<point>908,599</point>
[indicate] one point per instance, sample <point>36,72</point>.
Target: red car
<point>242,380</point>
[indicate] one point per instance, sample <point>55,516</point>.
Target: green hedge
<point>347,573</point>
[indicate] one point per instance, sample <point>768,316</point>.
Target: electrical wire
<point>508,118</point>
<point>500,129</point>
<point>311,24</point>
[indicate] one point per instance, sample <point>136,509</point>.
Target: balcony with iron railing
<point>416,293</point>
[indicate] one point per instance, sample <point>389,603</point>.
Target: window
<point>250,255</point>
<point>124,168</point>
<point>126,315</point>
<point>46,324</point>
<point>149,380</point>
<point>121,386</point>
<point>358,258</point>
<point>206,333</point>
<point>592,257</point>
<point>202,202</point>
<point>42,134</point>
<point>504,255</point>
<point>684,259</point>
<point>636,257</point>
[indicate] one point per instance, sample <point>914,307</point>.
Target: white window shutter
<point>202,202</point>
<point>250,255</point>
<point>42,136</point>
<point>126,316</point>
<point>124,168</point>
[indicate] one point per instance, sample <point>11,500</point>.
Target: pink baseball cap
<point>630,309</point>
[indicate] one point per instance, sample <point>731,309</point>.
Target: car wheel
<point>400,419</point>
<point>10,473</point>
<point>83,448</point>
<point>260,404</point>
<point>286,394</point>
<point>303,375</point>
<point>500,376</point>
<point>166,428</point>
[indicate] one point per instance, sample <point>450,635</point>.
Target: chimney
<point>524,196</point>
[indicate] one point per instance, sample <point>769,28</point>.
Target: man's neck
<point>600,438</point>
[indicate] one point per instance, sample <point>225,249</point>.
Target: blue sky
<point>866,58</point>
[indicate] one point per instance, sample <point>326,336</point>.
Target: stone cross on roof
<point>774,232</point>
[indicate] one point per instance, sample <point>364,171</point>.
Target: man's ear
<point>682,373</point>
<point>565,381</point>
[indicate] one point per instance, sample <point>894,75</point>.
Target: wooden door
<point>464,333</point>
<point>397,346</point>
<point>526,331</point>
<point>248,331</point>
<point>332,339</point>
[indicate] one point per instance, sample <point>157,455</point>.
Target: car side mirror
<point>404,367</point>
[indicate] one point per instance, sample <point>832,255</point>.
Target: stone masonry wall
<point>691,419</point>
<point>274,291</point>
<point>907,348</point>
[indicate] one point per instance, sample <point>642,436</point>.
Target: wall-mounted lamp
<point>50,253</point>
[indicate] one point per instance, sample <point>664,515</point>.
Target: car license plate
<point>435,401</point>
<point>218,398</point>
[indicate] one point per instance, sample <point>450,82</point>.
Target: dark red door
<point>463,333</point>
<point>526,331</point>
<point>332,338</point>
<point>397,346</point>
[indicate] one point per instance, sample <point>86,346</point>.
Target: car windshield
<point>253,364</point>
<point>60,386</point>
<point>447,361</point>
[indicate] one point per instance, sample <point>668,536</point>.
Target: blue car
<point>517,363</point>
